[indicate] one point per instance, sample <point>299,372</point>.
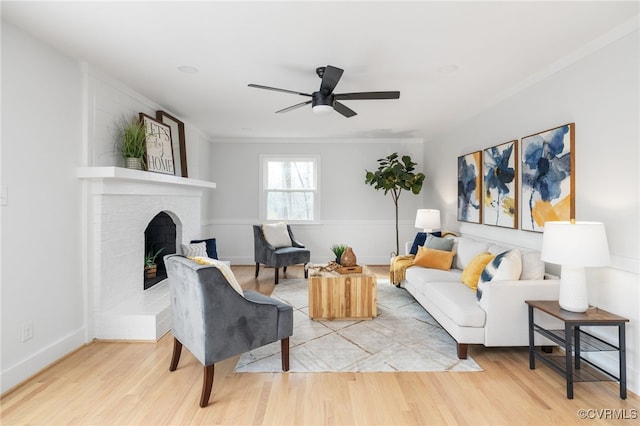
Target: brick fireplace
<point>121,204</point>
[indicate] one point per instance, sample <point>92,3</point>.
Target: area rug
<point>403,337</point>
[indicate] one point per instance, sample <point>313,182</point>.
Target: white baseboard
<point>23,370</point>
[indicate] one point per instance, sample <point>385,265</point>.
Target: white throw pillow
<point>506,266</point>
<point>532,266</point>
<point>276,234</point>
<point>224,268</point>
<point>466,249</point>
<point>194,249</point>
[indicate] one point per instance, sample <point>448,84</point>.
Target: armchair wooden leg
<point>277,269</point>
<point>257,269</point>
<point>207,384</point>
<point>284,348</point>
<point>177,349</point>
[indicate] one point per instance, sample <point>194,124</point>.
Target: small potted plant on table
<point>338,249</point>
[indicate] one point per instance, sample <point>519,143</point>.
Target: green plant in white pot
<point>133,143</point>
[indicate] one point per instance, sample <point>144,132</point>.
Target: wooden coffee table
<point>342,296</point>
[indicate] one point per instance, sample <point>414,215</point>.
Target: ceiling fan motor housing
<point>317,98</point>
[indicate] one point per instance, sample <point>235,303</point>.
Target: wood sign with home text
<point>159,157</point>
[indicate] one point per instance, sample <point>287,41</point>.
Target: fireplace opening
<point>160,235</point>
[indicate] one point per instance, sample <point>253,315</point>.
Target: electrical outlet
<point>27,330</point>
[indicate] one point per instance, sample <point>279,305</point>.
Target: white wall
<point>41,236</point>
<point>57,115</point>
<point>353,213</point>
<point>600,94</point>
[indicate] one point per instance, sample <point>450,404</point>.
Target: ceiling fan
<point>324,100</point>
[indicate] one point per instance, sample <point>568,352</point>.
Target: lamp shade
<point>428,219</point>
<point>575,244</point>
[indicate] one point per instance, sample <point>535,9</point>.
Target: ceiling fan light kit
<point>324,100</point>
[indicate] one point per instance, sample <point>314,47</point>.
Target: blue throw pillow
<point>421,238</point>
<point>212,251</point>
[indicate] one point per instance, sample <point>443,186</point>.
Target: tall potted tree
<point>394,175</point>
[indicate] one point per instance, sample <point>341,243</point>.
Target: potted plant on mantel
<point>150,266</point>
<point>133,143</point>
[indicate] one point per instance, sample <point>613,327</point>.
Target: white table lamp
<point>428,219</point>
<point>574,245</point>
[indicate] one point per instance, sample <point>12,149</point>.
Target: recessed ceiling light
<point>188,69</point>
<point>448,69</point>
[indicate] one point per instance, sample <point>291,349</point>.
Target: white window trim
<point>262,214</point>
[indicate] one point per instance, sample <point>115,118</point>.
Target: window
<point>290,188</point>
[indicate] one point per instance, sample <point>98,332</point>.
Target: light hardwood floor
<point>123,383</point>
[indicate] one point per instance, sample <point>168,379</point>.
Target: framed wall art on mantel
<point>548,177</point>
<point>178,141</point>
<point>159,155</point>
<point>500,186</point>
<point>470,187</point>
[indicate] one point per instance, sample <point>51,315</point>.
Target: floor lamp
<point>574,245</point>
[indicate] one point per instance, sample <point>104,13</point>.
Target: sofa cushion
<point>276,234</point>
<point>420,276</point>
<point>471,273</point>
<point>466,249</point>
<point>532,266</point>
<point>506,266</point>
<point>458,302</point>
<point>432,258</point>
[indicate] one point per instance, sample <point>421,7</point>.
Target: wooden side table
<point>576,341</point>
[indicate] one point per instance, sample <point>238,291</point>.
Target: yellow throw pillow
<point>432,258</point>
<point>471,274</point>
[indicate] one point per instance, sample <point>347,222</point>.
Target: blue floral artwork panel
<point>548,184</point>
<point>500,194</point>
<point>470,187</point>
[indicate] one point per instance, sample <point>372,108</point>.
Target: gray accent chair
<point>268,255</point>
<point>215,322</point>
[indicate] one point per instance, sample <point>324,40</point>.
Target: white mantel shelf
<point>139,176</point>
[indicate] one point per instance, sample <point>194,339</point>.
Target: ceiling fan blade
<point>367,95</point>
<point>275,89</point>
<point>330,79</point>
<point>301,104</point>
<point>343,109</point>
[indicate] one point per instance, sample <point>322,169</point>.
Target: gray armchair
<point>216,322</point>
<point>277,258</point>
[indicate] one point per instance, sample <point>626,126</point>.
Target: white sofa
<point>500,317</point>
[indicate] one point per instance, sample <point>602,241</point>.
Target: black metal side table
<point>576,341</point>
